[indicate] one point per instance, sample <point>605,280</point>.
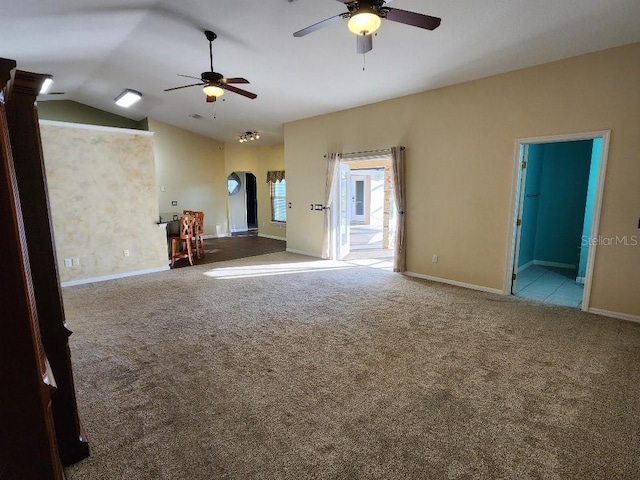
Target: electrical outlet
<point>125,253</point>
<point>68,262</point>
<point>434,259</point>
<point>76,262</point>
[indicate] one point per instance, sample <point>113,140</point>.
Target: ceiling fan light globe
<point>212,91</point>
<point>364,22</point>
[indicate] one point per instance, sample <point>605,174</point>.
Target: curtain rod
<point>384,150</point>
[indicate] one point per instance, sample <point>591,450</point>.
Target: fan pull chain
<point>364,62</point>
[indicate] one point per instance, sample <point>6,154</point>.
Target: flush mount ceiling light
<point>211,90</point>
<point>46,85</point>
<point>128,98</point>
<point>364,22</point>
<point>246,136</point>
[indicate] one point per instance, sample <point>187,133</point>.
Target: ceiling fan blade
<point>319,25</point>
<point>413,18</point>
<point>235,80</point>
<point>239,91</point>
<point>365,43</point>
<point>184,86</point>
<point>189,76</point>
<point>211,98</point>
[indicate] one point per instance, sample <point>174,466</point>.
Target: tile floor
<point>366,248</point>
<point>550,285</point>
<point>365,237</point>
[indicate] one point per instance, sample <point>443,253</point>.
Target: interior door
<point>521,190</point>
<point>358,199</point>
<point>345,204</point>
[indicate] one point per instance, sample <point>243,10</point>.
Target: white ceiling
<point>97,48</point>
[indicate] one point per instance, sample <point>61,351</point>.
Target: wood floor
<point>239,245</point>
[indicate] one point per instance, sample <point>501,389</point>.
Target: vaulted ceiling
<point>97,48</point>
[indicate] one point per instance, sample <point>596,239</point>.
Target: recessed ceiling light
<point>128,98</point>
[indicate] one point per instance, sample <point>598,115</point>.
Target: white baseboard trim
<point>454,282</point>
<point>544,263</point>
<point>215,236</point>
<point>113,277</point>
<point>300,252</point>
<point>526,265</point>
<point>273,237</point>
<point>621,316</point>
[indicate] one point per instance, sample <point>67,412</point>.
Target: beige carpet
<point>302,369</point>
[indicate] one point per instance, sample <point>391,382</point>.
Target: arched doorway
<point>243,202</point>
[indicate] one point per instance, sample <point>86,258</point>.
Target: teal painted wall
<point>596,153</point>
<point>563,196</point>
<point>554,204</point>
<point>531,203</point>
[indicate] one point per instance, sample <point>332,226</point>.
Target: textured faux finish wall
<point>460,161</point>
<point>102,193</point>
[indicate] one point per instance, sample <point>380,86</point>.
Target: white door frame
<point>515,200</point>
<point>334,235</point>
<point>344,211</point>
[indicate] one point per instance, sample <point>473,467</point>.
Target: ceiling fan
<point>365,17</point>
<point>213,83</point>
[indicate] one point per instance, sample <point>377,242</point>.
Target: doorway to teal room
<point>559,189</point>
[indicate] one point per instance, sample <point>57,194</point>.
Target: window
<point>279,201</point>
<point>233,183</point>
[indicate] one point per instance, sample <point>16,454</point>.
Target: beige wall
<point>460,146</point>
<point>191,169</point>
<point>258,160</point>
<point>101,184</point>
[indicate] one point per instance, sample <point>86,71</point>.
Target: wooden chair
<point>184,240</point>
<point>198,232</point>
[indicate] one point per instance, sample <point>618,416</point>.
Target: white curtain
<point>333,160</point>
<point>397,167</point>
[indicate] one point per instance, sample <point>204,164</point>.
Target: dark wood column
<point>28,447</point>
<point>24,131</point>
